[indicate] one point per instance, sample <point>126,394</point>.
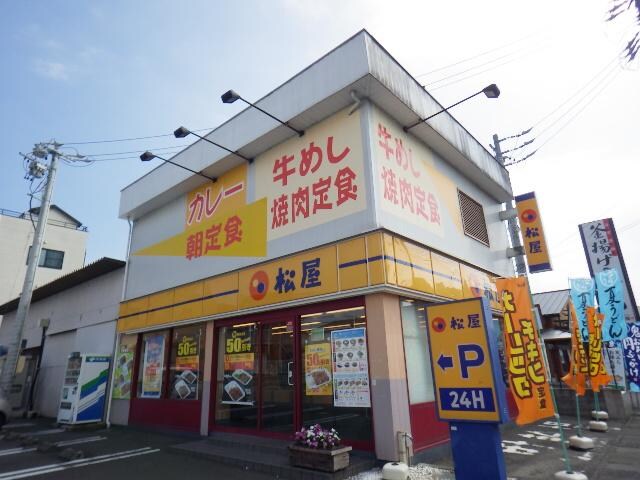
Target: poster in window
<point>317,369</point>
<point>350,367</point>
<point>187,365</point>
<point>239,366</point>
<point>124,367</point>
<point>153,366</point>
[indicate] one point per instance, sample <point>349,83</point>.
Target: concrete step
<point>273,459</point>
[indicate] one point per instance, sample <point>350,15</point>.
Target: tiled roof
<point>551,303</point>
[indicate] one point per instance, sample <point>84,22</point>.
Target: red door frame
<point>294,315</point>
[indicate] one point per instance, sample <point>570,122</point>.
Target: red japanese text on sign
<point>216,237</point>
<point>400,182</point>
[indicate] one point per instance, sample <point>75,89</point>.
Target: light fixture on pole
<point>146,156</point>
<point>491,91</point>
<point>182,132</point>
<point>231,96</point>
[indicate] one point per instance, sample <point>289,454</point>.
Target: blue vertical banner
<point>611,302</point>
<point>582,296</point>
<point>631,346</point>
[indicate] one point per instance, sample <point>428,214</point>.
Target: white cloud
<point>52,70</point>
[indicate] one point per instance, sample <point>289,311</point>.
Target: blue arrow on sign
<point>445,362</point>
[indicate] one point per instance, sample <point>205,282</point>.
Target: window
<point>335,373</point>
<point>186,364</point>
<point>473,221</point>
<point>416,351</point>
<point>151,376</point>
<point>49,258</point>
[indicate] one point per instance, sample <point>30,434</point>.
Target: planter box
<point>317,459</point>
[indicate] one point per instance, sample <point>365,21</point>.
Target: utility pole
<point>510,214</point>
<point>40,151</point>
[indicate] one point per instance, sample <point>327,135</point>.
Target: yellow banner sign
<point>291,278</point>
<point>525,359</point>
<point>579,370</point>
<point>240,233</point>
<point>464,361</point>
<point>535,245</point>
<point>317,369</point>
<point>597,372</point>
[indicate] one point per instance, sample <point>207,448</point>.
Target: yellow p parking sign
<point>465,362</point>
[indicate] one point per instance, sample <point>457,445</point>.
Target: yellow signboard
<point>299,276</point>
<point>212,199</point>
<point>535,245</point>
<point>464,360</point>
<point>240,233</point>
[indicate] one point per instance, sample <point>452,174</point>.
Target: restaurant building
<point>292,290</point>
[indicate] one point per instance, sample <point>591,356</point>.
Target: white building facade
<point>63,250</point>
<point>80,311</point>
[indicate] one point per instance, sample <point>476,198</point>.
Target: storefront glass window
<point>276,376</point>
<point>416,351</point>
<point>335,372</point>
<point>236,382</point>
<point>186,364</point>
<point>152,364</point>
<point>124,366</point>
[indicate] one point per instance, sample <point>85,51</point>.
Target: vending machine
<point>84,388</point>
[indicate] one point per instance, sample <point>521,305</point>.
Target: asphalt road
<point>117,453</point>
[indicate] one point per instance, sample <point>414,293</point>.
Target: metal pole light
<point>147,156</point>
<point>230,96</point>
<point>491,91</point>
<point>182,132</point>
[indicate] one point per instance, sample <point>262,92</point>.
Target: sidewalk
<point>533,452</point>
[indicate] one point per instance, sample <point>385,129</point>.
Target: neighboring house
<point>292,289</point>
<point>63,250</point>
<point>80,309</point>
<point>554,312</point>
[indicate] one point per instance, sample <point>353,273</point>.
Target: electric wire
<point>528,50</point>
<point>506,45</point>
<point>511,60</point>
<point>570,120</point>
<point>115,140</point>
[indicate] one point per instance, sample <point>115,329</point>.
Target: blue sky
<point>91,70</point>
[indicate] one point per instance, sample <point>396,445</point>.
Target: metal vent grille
<point>473,222</point>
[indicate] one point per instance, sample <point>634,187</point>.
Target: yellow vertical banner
<point>317,369</point>
<point>597,372</point>
<point>524,356</point>
<point>535,245</point>
<point>576,379</point>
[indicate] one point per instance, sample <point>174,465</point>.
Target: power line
<point>528,49</point>
<point>490,68</point>
<point>478,55</point>
<point>603,86</point>
<point>132,138</point>
<point>576,93</point>
<point>136,151</point>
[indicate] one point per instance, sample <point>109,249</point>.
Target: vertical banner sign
<point>576,379</point>
<point>153,366</point>
<point>614,363</point>
<point>124,366</point>
<point>239,366</point>
<point>535,245</point>
<point>582,296</point>
<point>187,366</point>
<point>464,361</point>
<point>631,346</point>
<point>603,252</point>
<point>525,360</point>
<point>611,302</point>
<point>597,373</point>
<point>317,369</point>
<point>350,368</point>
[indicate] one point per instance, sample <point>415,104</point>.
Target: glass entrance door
<point>255,377</point>
<point>277,378</point>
